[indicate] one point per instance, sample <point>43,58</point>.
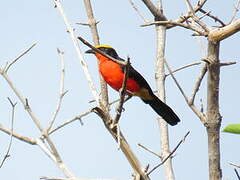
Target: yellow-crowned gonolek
<point>113,74</point>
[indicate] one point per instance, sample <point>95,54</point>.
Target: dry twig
<point>149,150</point>
<point>192,106</point>
<point>236,9</point>
<point>195,18</point>
<point>215,18</point>
<point>174,150</point>
<point>62,92</point>
<point>137,10</point>
<point>122,93</point>
<point>18,136</point>
<point>11,135</point>
<point>167,23</point>
<point>183,67</point>
<point>186,16</point>
<point>198,83</point>
<point>235,165</point>
<point>17,58</point>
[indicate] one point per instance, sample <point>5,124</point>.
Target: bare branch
<point>236,9</point>
<point>17,136</point>
<point>78,117</point>
<point>86,24</point>
<point>137,10</point>
<point>62,92</point>
<point>228,63</point>
<point>198,83</point>
<point>36,121</point>
<point>187,26</point>
<point>195,18</point>
<point>101,52</point>
<point>124,146</point>
<point>192,106</point>
<point>5,70</point>
<point>184,67</point>
<point>185,17</point>
<point>79,53</point>
<point>216,19</point>
<point>45,149</point>
<point>219,34</point>
<point>235,165</point>
<point>54,178</point>
<point>158,15</point>
<point>91,21</point>
<point>149,150</point>
<point>93,27</point>
<point>174,150</point>
<point>23,100</point>
<point>11,135</point>
<point>122,92</point>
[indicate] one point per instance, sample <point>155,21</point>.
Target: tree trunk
<point>160,80</point>
<point>213,116</point>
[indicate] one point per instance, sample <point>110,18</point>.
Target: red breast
<point>113,75</point>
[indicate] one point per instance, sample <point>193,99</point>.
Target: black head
<point>106,49</point>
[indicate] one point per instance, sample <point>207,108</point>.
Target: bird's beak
<point>90,51</point>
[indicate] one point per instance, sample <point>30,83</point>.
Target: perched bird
<point>113,74</point>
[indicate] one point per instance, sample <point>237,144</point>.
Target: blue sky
<point>88,150</point>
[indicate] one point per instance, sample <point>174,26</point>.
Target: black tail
<point>163,110</point>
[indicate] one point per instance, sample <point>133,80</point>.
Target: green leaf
<point>232,128</point>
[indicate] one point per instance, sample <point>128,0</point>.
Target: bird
<point>113,73</point>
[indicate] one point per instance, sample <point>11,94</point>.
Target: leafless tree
<point>211,65</point>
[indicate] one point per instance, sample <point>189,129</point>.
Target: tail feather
<point>163,110</point>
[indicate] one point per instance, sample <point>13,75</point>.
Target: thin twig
<point>195,18</point>
<point>183,67</point>
<point>62,92</point>
<point>11,135</point>
<point>237,173</point>
<point>5,70</point>
<point>192,106</point>
<point>166,23</point>
<point>186,16</point>
<point>174,150</point>
<point>149,150</point>
<point>78,117</point>
<point>198,83</point>
<point>216,19</point>
<point>236,165</point>
<point>55,178</point>
<point>36,121</point>
<point>227,63</point>
<point>122,92</point>
<point>236,9</point>
<point>137,10</point>
<point>101,52</point>
<point>23,100</point>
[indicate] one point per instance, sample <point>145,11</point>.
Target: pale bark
<point>93,27</point>
<point>213,116</point>
<point>160,80</point>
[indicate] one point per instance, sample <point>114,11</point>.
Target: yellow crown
<point>104,46</point>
